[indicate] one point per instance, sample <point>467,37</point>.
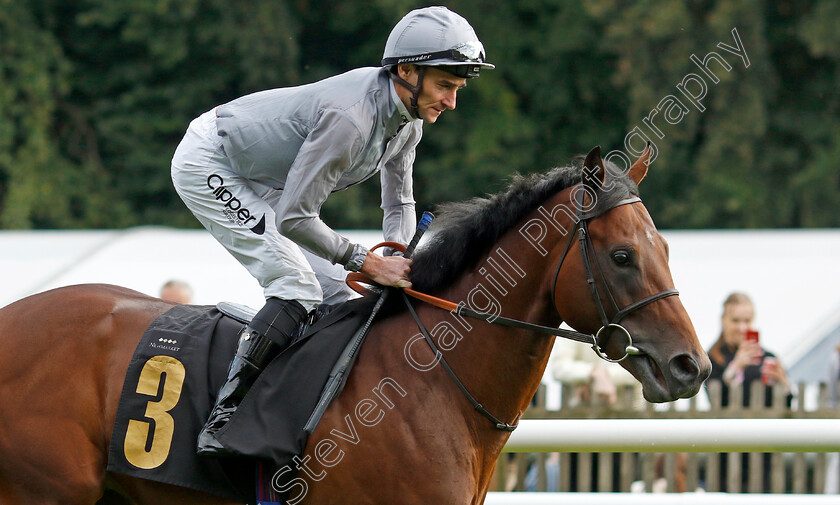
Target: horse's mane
<point>463,232</point>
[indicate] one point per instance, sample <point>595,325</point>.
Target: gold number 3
<point>138,432</point>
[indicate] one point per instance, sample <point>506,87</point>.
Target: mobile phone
<point>752,336</point>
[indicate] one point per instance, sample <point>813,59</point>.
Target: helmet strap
<point>415,90</point>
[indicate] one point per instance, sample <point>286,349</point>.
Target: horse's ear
<point>639,169</point>
<point>594,173</point>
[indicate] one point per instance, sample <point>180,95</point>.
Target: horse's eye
<point>621,257</point>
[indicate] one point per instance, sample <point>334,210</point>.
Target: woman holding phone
<point>738,358</point>
<point>737,361</point>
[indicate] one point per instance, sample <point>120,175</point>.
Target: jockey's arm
<point>399,220</point>
<point>314,174</point>
<point>319,165</point>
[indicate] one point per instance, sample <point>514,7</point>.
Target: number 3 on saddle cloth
<point>170,387</point>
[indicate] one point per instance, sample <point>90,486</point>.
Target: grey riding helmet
<point>434,37</point>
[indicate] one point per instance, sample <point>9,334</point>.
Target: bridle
<point>585,240</point>
<point>582,233</point>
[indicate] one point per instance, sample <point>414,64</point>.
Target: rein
<point>461,309</point>
<point>498,423</point>
<point>585,241</point>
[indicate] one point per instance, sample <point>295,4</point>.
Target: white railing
<point>658,499</point>
<point>676,435</point>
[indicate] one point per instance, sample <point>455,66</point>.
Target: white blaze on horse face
<point>651,237</point>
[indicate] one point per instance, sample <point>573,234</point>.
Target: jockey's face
<point>439,92</point>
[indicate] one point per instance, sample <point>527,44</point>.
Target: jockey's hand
<point>387,270</point>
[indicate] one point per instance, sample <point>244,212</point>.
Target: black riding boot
<point>268,334</point>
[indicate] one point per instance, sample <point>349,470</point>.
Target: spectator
<point>176,291</point>
<point>736,361</point>
<point>739,362</point>
<point>592,381</point>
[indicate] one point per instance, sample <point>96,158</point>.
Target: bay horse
<point>575,245</point>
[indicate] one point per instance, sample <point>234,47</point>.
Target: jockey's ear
<point>594,172</point>
<point>639,169</point>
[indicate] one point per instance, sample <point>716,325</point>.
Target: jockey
<point>255,172</point>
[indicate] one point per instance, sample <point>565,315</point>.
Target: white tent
<point>141,258</point>
<point>790,274</point>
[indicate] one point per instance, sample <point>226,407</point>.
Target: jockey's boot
<point>269,333</point>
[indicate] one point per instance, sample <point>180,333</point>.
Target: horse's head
<point>618,247</point>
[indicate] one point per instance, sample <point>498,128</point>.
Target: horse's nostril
<point>684,368</point>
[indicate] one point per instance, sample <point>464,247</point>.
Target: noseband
<point>607,324</point>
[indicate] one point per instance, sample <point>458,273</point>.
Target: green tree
<point>816,183</point>
<point>748,159</point>
<point>95,95</point>
<point>39,185</point>
<point>144,69</point>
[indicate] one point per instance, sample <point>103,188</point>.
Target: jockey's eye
<point>621,257</point>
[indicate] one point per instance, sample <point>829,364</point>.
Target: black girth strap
<point>498,423</point>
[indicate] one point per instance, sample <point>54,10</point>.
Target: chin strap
<point>415,90</point>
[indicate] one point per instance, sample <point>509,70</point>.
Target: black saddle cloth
<point>269,422</point>
<point>183,359</point>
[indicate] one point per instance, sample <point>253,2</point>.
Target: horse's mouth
<point>649,374</point>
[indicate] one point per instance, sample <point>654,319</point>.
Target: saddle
<point>270,419</point>
<point>184,355</point>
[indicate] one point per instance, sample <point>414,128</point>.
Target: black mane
<point>465,231</point>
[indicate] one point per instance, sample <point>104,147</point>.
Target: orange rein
<point>356,279</point>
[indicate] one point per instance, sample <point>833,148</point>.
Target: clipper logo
<point>233,209</point>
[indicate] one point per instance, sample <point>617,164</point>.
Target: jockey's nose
<point>450,99</point>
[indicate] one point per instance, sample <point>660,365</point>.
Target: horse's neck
<point>500,365</point>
